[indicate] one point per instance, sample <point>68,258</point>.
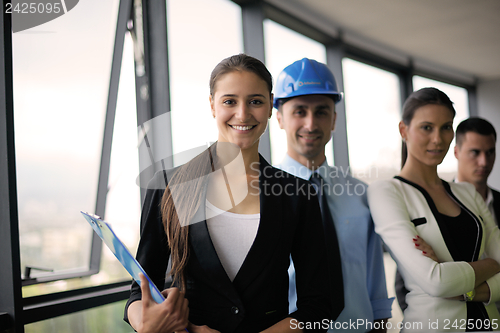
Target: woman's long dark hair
<point>179,206</point>
<point>417,99</point>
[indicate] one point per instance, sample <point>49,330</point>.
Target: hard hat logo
<point>301,83</point>
<point>305,77</point>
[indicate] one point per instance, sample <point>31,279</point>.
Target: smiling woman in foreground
<point>229,237</point>
<point>451,266</point>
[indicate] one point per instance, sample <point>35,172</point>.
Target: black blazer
<point>257,298</point>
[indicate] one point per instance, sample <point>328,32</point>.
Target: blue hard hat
<point>306,77</point>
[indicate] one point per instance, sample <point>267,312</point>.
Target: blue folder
<point>104,230</point>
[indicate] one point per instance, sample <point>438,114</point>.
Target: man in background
<point>475,152</point>
<point>305,96</point>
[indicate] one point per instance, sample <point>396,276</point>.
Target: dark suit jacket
<point>257,298</point>
<point>496,205</point>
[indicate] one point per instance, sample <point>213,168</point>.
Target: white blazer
<point>401,211</point>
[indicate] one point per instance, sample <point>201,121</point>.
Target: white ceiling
<point>461,36</point>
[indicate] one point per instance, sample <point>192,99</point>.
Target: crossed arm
<point>391,215</point>
<point>483,270</point>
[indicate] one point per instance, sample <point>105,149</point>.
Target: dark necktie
<point>332,245</point>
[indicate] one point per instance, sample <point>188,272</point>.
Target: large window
<point>200,34</point>
<point>123,203</point>
<point>372,114</point>
<point>283,47</point>
<point>61,80</point>
<point>458,95</point>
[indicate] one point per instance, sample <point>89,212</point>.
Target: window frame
<point>104,166</point>
<point>18,310</point>
<point>10,286</point>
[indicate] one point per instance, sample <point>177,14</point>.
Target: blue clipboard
<point>103,229</point>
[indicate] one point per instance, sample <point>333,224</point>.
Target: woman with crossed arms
<point>451,267</point>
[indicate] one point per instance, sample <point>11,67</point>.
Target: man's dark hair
<point>476,125</point>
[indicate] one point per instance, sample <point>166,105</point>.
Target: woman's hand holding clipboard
<point>171,315</point>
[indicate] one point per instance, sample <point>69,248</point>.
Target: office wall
<point>488,94</point>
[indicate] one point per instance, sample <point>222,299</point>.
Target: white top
<point>232,236</point>
<point>489,203</point>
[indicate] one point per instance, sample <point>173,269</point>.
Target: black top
<point>463,230</point>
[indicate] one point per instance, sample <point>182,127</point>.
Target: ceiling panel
<point>461,35</point>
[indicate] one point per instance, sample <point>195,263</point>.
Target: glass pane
<point>61,79</point>
<point>459,97</point>
<point>373,106</point>
<point>283,47</point>
<point>123,202</point>
<point>196,45</point>
<point>123,197</point>
<point>103,319</point>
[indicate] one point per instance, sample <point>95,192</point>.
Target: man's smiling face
<point>308,122</point>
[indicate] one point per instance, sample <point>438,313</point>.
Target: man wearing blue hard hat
<point>305,96</point>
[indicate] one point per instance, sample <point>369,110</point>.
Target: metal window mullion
<point>158,74</point>
<point>405,84</point>
<point>102,185</point>
<point>10,260</point>
<point>152,86</point>
<point>334,56</point>
<point>143,105</point>
<point>157,54</point>
<point>472,98</point>
<point>252,20</point>
<point>157,69</point>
